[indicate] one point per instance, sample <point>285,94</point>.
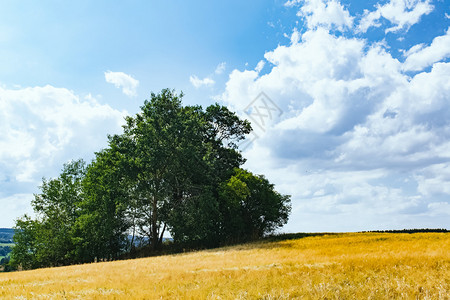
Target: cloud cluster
<point>327,14</point>
<point>42,128</point>
<point>420,57</point>
<point>124,81</point>
<point>359,136</point>
<point>402,13</point>
<point>331,14</point>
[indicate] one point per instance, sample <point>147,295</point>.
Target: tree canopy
<point>174,168</point>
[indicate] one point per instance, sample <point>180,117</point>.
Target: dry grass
<point>343,266</point>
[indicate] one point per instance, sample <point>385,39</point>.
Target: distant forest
<point>6,235</point>
<point>6,240</point>
<point>410,230</point>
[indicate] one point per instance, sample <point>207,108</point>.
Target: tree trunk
<point>155,237</point>
<point>162,234</point>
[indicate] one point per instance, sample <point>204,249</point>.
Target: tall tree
<point>101,230</point>
<point>150,140</point>
<point>23,254</point>
<point>47,241</point>
<point>177,155</point>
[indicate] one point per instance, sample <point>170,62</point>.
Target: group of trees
<point>173,169</point>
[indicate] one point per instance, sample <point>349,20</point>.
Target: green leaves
<point>179,155</point>
<point>47,241</point>
<point>251,206</point>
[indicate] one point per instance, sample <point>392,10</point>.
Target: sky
<point>349,100</point>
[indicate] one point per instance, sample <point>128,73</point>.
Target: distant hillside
<point>6,235</point>
<point>6,240</point>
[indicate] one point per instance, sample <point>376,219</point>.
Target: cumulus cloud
<point>197,82</point>
<point>360,144</point>
<point>402,13</point>
<point>419,57</point>
<point>42,128</point>
<point>124,81</point>
<point>323,13</point>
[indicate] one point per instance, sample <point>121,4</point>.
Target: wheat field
<point>334,266</point>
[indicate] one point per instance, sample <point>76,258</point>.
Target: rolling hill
<point>322,266</point>
<point>6,235</point>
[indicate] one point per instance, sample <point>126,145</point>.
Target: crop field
<point>334,266</point>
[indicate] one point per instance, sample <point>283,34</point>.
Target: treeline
<point>411,230</point>
<point>173,169</point>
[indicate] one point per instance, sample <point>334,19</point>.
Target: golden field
<point>335,266</point>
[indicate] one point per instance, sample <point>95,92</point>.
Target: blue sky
<point>362,137</point>
<point>159,42</point>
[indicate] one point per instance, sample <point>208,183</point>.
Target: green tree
<point>195,221</point>
<point>26,244</point>
<point>176,155</point>
<point>47,241</point>
<point>251,207</point>
<point>150,142</point>
<point>100,232</point>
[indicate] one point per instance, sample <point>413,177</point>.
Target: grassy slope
<point>342,266</point>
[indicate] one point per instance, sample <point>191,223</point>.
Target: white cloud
<point>15,205</point>
<point>413,49</point>
<point>360,144</point>
<point>439,208</point>
<point>260,66</point>
<point>419,57</point>
<point>197,82</point>
<point>44,127</point>
<point>323,13</point>
<point>433,180</point>
<point>402,13</point>
<point>124,81</point>
<point>292,3</point>
<point>295,36</point>
<point>220,68</point>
